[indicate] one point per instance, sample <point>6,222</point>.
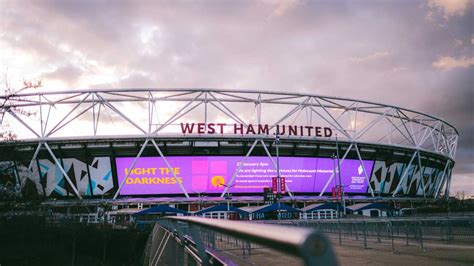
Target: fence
<point>409,231</point>
<point>201,241</point>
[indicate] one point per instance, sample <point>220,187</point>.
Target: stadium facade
<point>178,144</point>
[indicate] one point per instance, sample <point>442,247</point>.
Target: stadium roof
<point>321,206</point>
<point>221,208</point>
<point>160,209</point>
<point>269,208</point>
<point>368,206</point>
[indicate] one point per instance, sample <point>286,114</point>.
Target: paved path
<point>411,255</point>
<point>353,253</point>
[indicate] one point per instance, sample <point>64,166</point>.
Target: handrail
<point>305,243</point>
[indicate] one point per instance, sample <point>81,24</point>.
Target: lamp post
<point>341,187</point>
<point>199,199</point>
<point>228,198</point>
<point>336,191</point>
<point>277,144</point>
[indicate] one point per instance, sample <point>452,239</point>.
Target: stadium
<point>129,147</point>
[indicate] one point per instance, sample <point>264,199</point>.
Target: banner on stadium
<point>208,174</point>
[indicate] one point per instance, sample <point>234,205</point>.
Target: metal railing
<point>396,231</point>
<point>201,241</point>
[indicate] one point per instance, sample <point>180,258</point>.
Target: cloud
<point>458,43</point>
<point>448,62</point>
<point>369,58</point>
<point>319,47</point>
<point>450,8</point>
<point>462,183</point>
<point>67,73</point>
<point>282,6</point>
<point>398,69</point>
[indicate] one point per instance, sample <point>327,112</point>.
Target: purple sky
<point>414,54</point>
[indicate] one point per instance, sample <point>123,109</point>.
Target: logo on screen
<point>217,181</point>
<point>360,169</point>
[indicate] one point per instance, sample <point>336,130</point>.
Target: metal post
<point>442,179</point>
<point>335,169</point>
<point>406,232</point>
<point>228,206</point>
<point>107,103</point>
<point>404,174</point>
<point>339,227</point>
<point>58,164</point>
<point>228,198</point>
<point>277,144</point>
<point>448,185</point>
<point>34,156</point>
<point>448,231</point>
<point>421,172</point>
<point>420,228</point>
<point>22,122</point>
<point>364,170</point>
<point>356,231</point>
<point>212,236</point>
<point>169,167</point>
<point>341,187</point>
<point>332,175</point>
<point>275,166</point>
<point>391,235</point>
<point>131,168</point>
<point>240,166</point>
<point>378,232</point>
<point>365,234</point>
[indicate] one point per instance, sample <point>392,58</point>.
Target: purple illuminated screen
<point>207,174</point>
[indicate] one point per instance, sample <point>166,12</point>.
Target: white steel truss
<point>151,114</point>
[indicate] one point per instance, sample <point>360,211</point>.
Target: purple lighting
<point>206,174</point>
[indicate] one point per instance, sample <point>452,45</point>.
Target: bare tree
<point>6,133</point>
<point>460,195</point>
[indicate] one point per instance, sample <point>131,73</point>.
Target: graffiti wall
<point>386,177</point>
<point>89,179</point>
<point>46,179</point>
<point>95,178</point>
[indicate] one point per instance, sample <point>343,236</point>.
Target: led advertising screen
<point>200,174</point>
